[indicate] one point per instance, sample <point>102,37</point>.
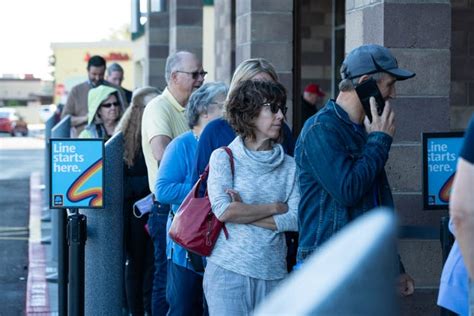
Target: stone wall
<point>462,63</point>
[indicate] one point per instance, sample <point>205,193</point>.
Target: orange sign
<point>111,56</point>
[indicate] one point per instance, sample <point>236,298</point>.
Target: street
<point>19,156</point>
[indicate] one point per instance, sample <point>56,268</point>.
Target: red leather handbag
<point>195,227</point>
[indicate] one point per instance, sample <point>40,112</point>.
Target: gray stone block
<point>470,100</point>
<point>311,18</point>
<point>178,4</point>
<point>243,7</point>
<point>243,29</point>
<point>414,115</point>
<point>471,42</point>
<point>189,17</point>
<point>462,68</point>
<point>460,43</point>
<point>188,38</point>
<point>432,68</point>
<point>271,5</point>
<point>158,20</point>
<point>242,52</point>
<point>313,45</point>
<point>265,29</point>
<point>279,54</point>
<point>316,71</point>
<point>158,37</point>
<point>460,116</point>
<point>158,51</point>
<point>422,260</point>
<point>409,207</point>
<point>157,66</point>
<point>404,168</point>
<point>462,18</point>
<point>157,81</point>
<point>373,24</point>
<point>286,79</point>
<point>354,29</point>
<point>459,93</point>
<point>315,58</point>
<point>422,30</point>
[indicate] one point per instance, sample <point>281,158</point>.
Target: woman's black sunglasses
<point>108,105</point>
<point>275,107</point>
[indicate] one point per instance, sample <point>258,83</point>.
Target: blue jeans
<point>184,291</point>
<point>157,227</point>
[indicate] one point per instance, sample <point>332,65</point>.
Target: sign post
<point>76,181</point>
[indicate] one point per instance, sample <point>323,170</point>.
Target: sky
<point>28,27</point>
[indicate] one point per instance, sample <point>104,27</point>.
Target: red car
<point>12,123</point>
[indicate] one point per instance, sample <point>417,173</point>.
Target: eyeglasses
<point>275,107</point>
<point>194,74</point>
<point>108,105</point>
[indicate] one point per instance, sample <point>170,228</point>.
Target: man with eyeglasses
<point>341,152</point>
<point>163,120</point>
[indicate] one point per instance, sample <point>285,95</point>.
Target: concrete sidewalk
<point>41,296</point>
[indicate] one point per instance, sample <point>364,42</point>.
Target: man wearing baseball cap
<point>341,154</point>
<point>312,96</point>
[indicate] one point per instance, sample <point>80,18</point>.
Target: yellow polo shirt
<point>162,116</point>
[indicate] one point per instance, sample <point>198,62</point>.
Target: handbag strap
<point>205,174</point>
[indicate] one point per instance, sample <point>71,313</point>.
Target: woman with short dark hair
<point>257,204</point>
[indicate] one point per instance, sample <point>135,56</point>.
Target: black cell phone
<point>367,89</point>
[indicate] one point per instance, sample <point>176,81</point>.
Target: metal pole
<point>59,229</point>
<point>76,236</point>
<point>63,265</point>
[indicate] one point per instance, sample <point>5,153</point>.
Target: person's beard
<point>97,83</point>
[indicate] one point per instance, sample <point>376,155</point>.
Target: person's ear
<point>363,78</point>
<point>174,76</point>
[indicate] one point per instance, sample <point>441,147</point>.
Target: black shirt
<point>307,110</point>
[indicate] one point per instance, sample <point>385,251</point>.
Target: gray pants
<point>228,293</point>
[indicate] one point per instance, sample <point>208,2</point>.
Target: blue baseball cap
<point>369,59</point>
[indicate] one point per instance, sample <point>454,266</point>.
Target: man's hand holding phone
<point>384,123</point>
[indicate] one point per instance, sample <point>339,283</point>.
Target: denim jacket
<point>341,175</point>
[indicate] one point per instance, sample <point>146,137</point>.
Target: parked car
<point>11,122</point>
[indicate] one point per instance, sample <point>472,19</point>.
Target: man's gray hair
<point>347,84</point>
<point>201,100</point>
<point>173,63</point>
<point>114,67</point>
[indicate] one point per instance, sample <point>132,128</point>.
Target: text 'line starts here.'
<point>438,156</point>
<point>65,158</point>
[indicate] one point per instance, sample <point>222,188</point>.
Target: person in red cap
<point>312,96</point>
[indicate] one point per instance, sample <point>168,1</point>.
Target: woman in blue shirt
<point>174,181</point>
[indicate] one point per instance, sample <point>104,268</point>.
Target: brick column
<point>225,39</point>
<point>265,29</point>
<point>157,48</point>
<point>186,26</point>
<point>418,32</point>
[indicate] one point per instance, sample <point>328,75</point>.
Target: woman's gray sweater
<point>261,177</point>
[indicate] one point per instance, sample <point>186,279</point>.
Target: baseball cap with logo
<point>369,59</point>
